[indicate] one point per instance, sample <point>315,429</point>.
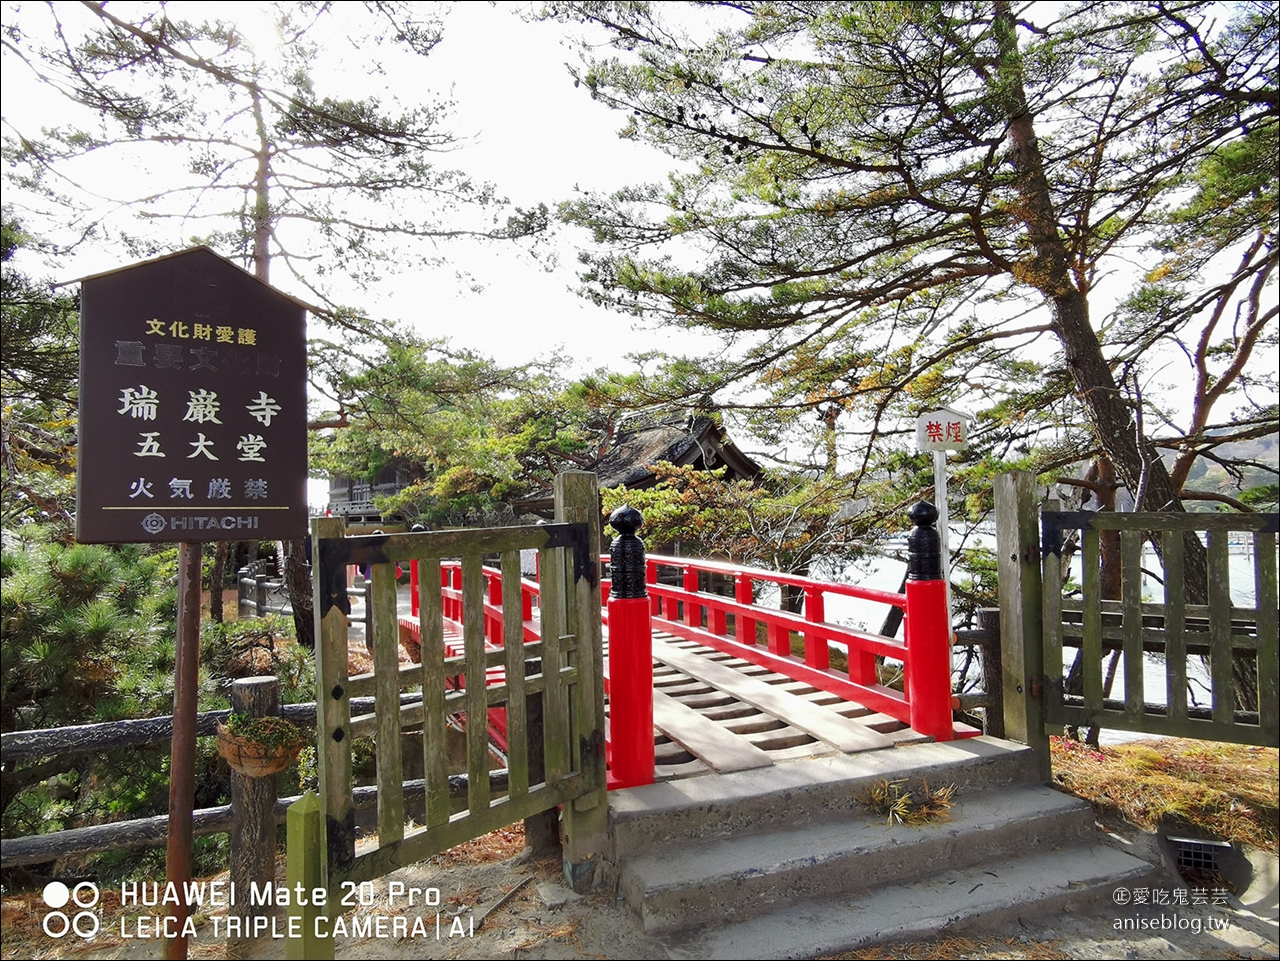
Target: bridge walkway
<point>715,713</point>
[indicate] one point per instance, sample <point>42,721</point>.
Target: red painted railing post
<point>744,593</point>
<point>456,603</point>
<point>692,609</point>
<point>414,599</point>
<point>816,651</point>
<point>927,631</point>
<point>493,624</point>
<point>716,621</point>
<point>651,577</point>
<point>630,657</point>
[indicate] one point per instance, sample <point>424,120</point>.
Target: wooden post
<point>1021,617</point>
<point>384,642</point>
<point>182,757</point>
<point>333,700</point>
<point>1264,600</point>
<point>542,830</point>
<point>992,683</point>
<point>253,806</point>
<point>577,500</point>
<point>308,937</point>
<point>631,757</point>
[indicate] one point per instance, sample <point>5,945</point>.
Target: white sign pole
<point>940,495</point>
<point>940,431</point>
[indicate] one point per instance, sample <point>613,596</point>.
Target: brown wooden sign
<point>192,405</point>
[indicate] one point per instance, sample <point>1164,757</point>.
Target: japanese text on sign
<point>193,404</point>
<point>942,430</point>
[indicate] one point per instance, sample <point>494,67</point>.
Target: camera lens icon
<point>85,923</point>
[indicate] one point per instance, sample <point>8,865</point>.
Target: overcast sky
<point>526,129</point>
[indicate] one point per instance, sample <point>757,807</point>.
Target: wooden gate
<point>561,673</point>
<point>1046,609</point>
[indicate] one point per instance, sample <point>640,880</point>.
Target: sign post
<point>938,432</point>
<point>193,407</point>
<point>182,746</point>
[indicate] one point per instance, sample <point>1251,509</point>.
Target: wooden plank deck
<point>842,733</point>
<point>716,713</point>
<point>716,746</point>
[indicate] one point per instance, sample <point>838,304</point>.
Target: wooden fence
<point>157,731</point>
<point>1236,639</point>
<point>1046,608</point>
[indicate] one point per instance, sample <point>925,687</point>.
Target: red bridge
<point>701,677</point>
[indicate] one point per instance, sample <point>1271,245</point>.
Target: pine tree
<point>282,173</point>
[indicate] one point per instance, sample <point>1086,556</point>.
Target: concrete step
<point>948,901</point>
<point>711,881</point>
<point>795,793</point>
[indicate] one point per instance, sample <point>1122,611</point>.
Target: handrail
<point>704,617</point>
<point>776,577</point>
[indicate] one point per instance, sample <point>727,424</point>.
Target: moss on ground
<point>1226,790</point>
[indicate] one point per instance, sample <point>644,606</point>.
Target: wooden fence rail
<point>1044,611</point>
<point>139,832</point>
<point>92,738</point>
<point>1230,638</point>
<point>109,735</point>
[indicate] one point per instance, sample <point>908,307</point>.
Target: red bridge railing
<point>735,625</point>
<point>676,598</point>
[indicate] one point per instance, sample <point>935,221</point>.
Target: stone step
<point>692,884</point>
<point>796,793</point>
<point>947,901</point>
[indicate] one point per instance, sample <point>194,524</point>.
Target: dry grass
<point>495,846</point>
<point>567,932</point>
<point>898,803</point>
<point>1227,790</point>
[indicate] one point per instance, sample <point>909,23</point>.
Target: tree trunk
<point>1047,269</point>
<point>294,563</point>
<point>217,577</point>
<point>297,583</point>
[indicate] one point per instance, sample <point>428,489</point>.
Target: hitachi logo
<point>226,523</point>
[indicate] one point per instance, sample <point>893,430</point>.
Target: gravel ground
<point>517,908</point>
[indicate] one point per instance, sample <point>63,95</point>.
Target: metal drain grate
<point>1198,855</point>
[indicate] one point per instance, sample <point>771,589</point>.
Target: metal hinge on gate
<point>593,745</point>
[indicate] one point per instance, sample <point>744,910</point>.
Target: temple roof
<point>684,441</point>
